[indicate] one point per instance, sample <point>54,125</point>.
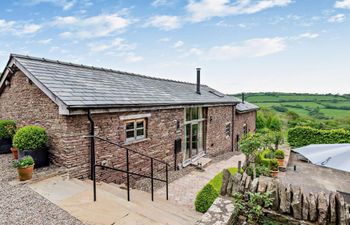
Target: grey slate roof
<point>245,107</point>
<point>79,86</point>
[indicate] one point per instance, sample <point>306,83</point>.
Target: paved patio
<point>183,191</point>
<point>314,178</point>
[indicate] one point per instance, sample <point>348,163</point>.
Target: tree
<point>260,121</point>
<point>250,146</point>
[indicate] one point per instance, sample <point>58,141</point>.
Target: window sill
<point>135,141</point>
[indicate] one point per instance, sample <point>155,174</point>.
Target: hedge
<point>30,138</point>
<point>302,136</point>
<point>3,130</point>
<point>205,198</point>
<point>207,195</point>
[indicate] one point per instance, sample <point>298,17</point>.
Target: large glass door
<point>193,133</point>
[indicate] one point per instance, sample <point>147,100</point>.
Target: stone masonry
<point>313,208</point>
<point>25,103</point>
<point>248,118</point>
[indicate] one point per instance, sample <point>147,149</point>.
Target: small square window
<point>135,130</point>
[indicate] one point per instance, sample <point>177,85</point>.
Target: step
<point>144,199</point>
<point>76,197</point>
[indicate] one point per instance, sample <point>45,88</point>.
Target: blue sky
<point>241,45</point>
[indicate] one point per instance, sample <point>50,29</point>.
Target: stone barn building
<point>146,114</point>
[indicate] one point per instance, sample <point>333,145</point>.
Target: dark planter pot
<point>5,145</point>
<point>40,156</point>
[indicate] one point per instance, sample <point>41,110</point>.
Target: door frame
<point>201,133</point>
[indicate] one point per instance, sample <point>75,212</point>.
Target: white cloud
<point>206,9</point>
<point>178,44</point>
<point>65,4</point>
<point>44,41</point>
<point>339,18</point>
<point>164,39</point>
<point>131,57</point>
<point>164,22</point>
<point>157,3</point>
<point>305,36</point>
<point>91,27</point>
<point>343,4</point>
<point>18,28</point>
<point>247,49</point>
<point>118,44</point>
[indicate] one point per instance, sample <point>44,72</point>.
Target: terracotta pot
<point>280,162</point>
<point>14,152</point>
<point>274,173</point>
<point>25,173</point>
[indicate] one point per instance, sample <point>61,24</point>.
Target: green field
<point>330,106</point>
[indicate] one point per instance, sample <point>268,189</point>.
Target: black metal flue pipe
<point>198,81</point>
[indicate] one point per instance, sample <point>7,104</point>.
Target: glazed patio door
<point>193,133</point>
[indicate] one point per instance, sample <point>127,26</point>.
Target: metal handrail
<point>131,150</point>
<point>127,171</point>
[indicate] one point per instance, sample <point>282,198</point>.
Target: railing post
<point>152,181</point>
<point>127,174</point>
<point>167,181</point>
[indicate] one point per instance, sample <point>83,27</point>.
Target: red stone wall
<point>161,133</point>
<point>217,139</point>
<point>241,118</point>
<point>28,105</point>
<point>69,147</point>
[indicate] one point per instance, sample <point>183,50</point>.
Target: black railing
<point>127,171</point>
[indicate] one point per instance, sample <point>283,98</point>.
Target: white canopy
<point>336,156</point>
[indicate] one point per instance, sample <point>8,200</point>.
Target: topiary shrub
<point>265,157</point>
<point>30,138</point>
<point>6,128</point>
<point>279,154</point>
<point>205,198</point>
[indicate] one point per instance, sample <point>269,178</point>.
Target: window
<point>245,129</point>
<point>135,130</point>
<point>194,113</point>
<point>228,129</point>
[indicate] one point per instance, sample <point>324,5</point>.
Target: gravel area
<point>20,205</point>
<point>145,184</point>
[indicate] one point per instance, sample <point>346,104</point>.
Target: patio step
<point>112,207</point>
<point>173,212</point>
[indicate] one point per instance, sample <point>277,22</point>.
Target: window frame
<point>135,129</point>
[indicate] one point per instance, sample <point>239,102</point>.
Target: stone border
<point>220,213</point>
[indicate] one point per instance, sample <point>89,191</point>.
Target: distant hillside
<point>317,106</point>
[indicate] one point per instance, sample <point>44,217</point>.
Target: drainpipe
<point>232,129</point>
<point>92,145</point>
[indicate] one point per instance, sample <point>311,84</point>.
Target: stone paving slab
<point>183,191</point>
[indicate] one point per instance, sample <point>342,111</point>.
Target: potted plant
<point>279,155</point>
<point>24,167</point>
<point>32,141</point>
<point>11,130</point>
<point>274,167</point>
<point>5,136</point>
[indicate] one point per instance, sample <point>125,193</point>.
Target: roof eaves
<point>63,109</point>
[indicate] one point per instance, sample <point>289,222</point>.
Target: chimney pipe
<point>198,81</point>
<point>243,97</point>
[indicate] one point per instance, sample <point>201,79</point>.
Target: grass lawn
<point>217,180</point>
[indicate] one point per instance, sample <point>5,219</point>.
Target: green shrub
<point>279,154</point>
<point>265,157</point>
<point>259,170</point>
<point>302,136</point>
<point>216,182</point>
<point>6,128</point>
<point>25,162</point>
<point>30,138</point>
<point>205,198</point>
<point>274,165</point>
